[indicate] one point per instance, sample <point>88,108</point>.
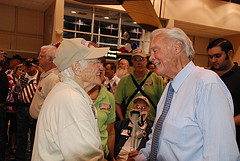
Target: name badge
<point>104,106</point>
<point>148,83</point>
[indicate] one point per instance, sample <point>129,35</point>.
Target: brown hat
<point>76,49</point>
<point>139,52</point>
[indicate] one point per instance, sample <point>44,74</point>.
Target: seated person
<point>138,122</point>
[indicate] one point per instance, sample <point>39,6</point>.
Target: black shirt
<point>232,81</point>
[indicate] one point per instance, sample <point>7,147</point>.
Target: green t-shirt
<point>105,105</point>
<point>153,87</point>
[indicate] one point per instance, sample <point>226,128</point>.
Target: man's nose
<point>214,59</point>
<point>151,58</point>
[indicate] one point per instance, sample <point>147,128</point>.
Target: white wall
<point>213,13</point>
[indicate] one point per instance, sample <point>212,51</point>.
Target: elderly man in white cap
<point>67,123</point>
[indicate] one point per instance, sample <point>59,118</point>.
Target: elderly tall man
<point>196,106</point>
<point>67,123</point>
<point>47,80</point>
<point>140,83</point>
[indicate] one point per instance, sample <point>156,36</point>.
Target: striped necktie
<point>158,127</point>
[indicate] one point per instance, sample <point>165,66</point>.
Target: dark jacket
<point>121,139</point>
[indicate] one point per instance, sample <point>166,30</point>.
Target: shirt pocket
<point>179,131</point>
<point>174,131</point>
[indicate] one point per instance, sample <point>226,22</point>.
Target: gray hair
<point>50,51</point>
<point>69,72</point>
<point>177,34</point>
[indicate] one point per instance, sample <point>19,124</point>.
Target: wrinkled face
<point>218,58</point>
<point>123,64</point>
<point>162,55</point>
<point>20,71</point>
<point>139,63</point>
<point>91,73</point>
<point>108,71</point>
<point>102,71</point>
<point>43,60</point>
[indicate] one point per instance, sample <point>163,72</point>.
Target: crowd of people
<point>77,106</point>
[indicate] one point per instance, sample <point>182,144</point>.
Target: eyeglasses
<point>141,107</point>
<point>56,44</point>
<point>139,59</point>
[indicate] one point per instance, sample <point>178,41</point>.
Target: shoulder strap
<point>138,87</point>
<point>142,91</point>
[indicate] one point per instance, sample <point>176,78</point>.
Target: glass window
<point>78,20</point>
<point>69,22</point>
<point>68,35</point>
<point>105,28</point>
<point>83,25</point>
<point>85,36</point>
<point>134,32</point>
<point>108,40</point>
<point>79,16</point>
<point>106,22</point>
<point>129,25</point>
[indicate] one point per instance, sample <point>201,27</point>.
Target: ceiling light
<point>134,22</point>
<point>74,12</point>
<point>106,18</point>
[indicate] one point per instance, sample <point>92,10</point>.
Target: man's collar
<point>182,75</point>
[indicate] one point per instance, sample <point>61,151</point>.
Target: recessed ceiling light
<point>134,22</point>
<point>74,12</point>
<point>106,18</point>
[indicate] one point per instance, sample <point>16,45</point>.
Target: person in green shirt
<point>152,86</point>
<point>105,105</point>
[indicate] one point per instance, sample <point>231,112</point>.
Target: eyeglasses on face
<point>138,59</point>
<point>141,107</point>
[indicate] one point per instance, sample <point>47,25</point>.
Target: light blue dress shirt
<point>199,125</point>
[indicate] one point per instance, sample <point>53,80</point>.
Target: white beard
<point>121,73</point>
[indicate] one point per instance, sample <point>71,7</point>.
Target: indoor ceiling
<point>189,28</point>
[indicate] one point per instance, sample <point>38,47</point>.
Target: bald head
<point>124,64</point>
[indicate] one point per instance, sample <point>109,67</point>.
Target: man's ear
<point>230,53</point>
<point>178,46</point>
<point>50,59</point>
<point>77,68</point>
